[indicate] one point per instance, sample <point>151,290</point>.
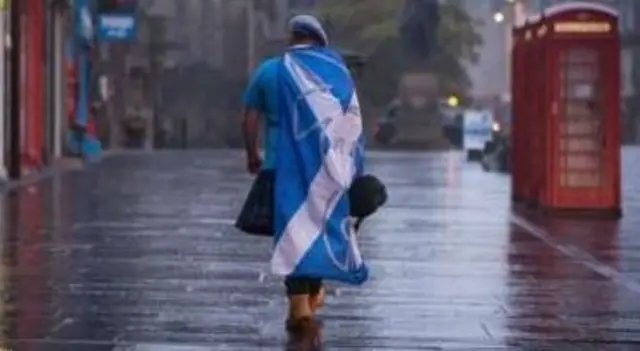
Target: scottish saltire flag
<point>320,151</point>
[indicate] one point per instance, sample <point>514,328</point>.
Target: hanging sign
<point>117,27</point>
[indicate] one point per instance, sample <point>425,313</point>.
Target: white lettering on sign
<point>117,26</point>
<point>118,22</point>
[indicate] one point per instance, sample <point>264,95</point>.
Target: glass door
<point>581,129</point>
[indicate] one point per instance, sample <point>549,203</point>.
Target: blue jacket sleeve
<point>253,96</point>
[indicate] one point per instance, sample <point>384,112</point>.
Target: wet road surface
<point>138,253</point>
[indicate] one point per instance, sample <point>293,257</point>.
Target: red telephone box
<point>517,79</point>
<point>570,110</point>
<point>539,121</point>
<point>535,118</point>
<point>524,117</point>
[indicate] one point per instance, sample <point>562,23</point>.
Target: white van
<point>477,130</point>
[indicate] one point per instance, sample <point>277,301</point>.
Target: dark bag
<point>366,195</point>
<point>256,216</point>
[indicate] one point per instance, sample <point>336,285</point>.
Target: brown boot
<point>299,312</point>
<point>304,326</point>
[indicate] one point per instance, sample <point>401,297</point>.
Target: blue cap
<point>310,25</point>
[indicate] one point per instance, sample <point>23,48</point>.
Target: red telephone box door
<point>583,171</point>
<point>516,157</point>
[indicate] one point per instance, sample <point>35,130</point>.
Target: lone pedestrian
<point>313,142</point>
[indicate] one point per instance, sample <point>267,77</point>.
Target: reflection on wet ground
<point>138,253</point>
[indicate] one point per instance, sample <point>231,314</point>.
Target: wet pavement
<point>138,253</point>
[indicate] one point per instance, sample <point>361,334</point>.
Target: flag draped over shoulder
<point>319,153</point>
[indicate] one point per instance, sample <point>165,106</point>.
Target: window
<point>580,148</point>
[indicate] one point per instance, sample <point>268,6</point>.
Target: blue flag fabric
<point>320,151</point>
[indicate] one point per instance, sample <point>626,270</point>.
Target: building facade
<point>32,98</point>
<point>203,26</point>
<point>222,39</point>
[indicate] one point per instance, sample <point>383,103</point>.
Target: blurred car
<point>495,156</point>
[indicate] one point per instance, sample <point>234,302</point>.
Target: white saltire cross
<point>341,130</point>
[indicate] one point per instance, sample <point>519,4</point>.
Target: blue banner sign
<point>117,27</point>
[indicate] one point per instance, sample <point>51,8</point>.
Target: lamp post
<point>513,12</point>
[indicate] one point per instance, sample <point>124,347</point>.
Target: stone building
<point>212,46</point>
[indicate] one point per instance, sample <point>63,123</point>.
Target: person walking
<point>305,103</point>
